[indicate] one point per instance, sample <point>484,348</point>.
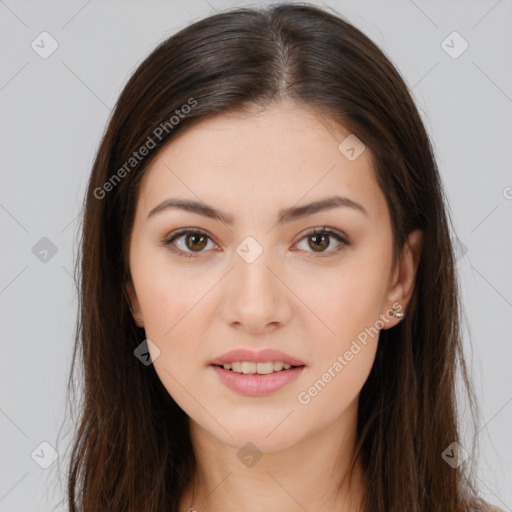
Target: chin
<point>265,439</point>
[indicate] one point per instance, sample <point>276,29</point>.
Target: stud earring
<point>136,319</point>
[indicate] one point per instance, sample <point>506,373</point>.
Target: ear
<point>402,282</point>
<point>134,304</point>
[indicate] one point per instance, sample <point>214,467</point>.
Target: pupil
<point>194,238</point>
<point>315,237</point>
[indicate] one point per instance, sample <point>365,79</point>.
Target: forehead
<point>275,155</point>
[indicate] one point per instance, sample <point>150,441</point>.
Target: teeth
<point>260,368</point>
<point>265,368</point>
<point>249,367</point>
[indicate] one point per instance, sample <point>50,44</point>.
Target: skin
<point>311,304</point>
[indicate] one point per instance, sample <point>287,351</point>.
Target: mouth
<point>259,373</point>
<point>257,379</point>
<point>255,369</point>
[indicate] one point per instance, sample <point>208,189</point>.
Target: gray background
<point>54,110</point>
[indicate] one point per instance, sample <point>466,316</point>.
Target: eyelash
<point>168,241</point>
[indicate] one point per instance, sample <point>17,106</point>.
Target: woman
<point>269,315</point>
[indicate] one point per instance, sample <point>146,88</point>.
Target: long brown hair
<point>131,450</point>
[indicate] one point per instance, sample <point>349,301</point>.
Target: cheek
<point>345,351</point>
<point>171,312</point>
<point>344,301</point>
<point>337,385</point>
<point>165,291</point>
<point>344,330</point>
<point>169,304</point>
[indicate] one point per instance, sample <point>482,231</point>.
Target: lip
<point>251,356</point>
<point>255,384</point>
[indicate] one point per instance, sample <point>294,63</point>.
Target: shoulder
<point>479,504</point>
<point>485,507</point>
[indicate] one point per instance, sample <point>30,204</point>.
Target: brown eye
<point>195,241</point>
<point>186,242</point>
<point>319,240</point>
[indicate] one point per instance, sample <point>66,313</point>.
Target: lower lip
<point>256,384</point>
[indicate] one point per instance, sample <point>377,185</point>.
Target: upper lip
<point>261,356</point>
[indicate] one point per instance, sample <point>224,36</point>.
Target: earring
<point>136,319</point>
<point>398,314</point>
<point>131,311</point>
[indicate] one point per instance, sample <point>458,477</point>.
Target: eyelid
<point>325,229</point>
<point>168,241</point>
<point>341,237</point>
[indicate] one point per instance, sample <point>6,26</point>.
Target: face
<point>316,284</point>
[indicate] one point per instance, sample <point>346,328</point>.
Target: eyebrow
<point>284,215</point>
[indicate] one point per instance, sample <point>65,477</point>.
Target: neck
<point>312,474</point>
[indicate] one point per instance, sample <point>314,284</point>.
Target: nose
<point>256,299</point>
